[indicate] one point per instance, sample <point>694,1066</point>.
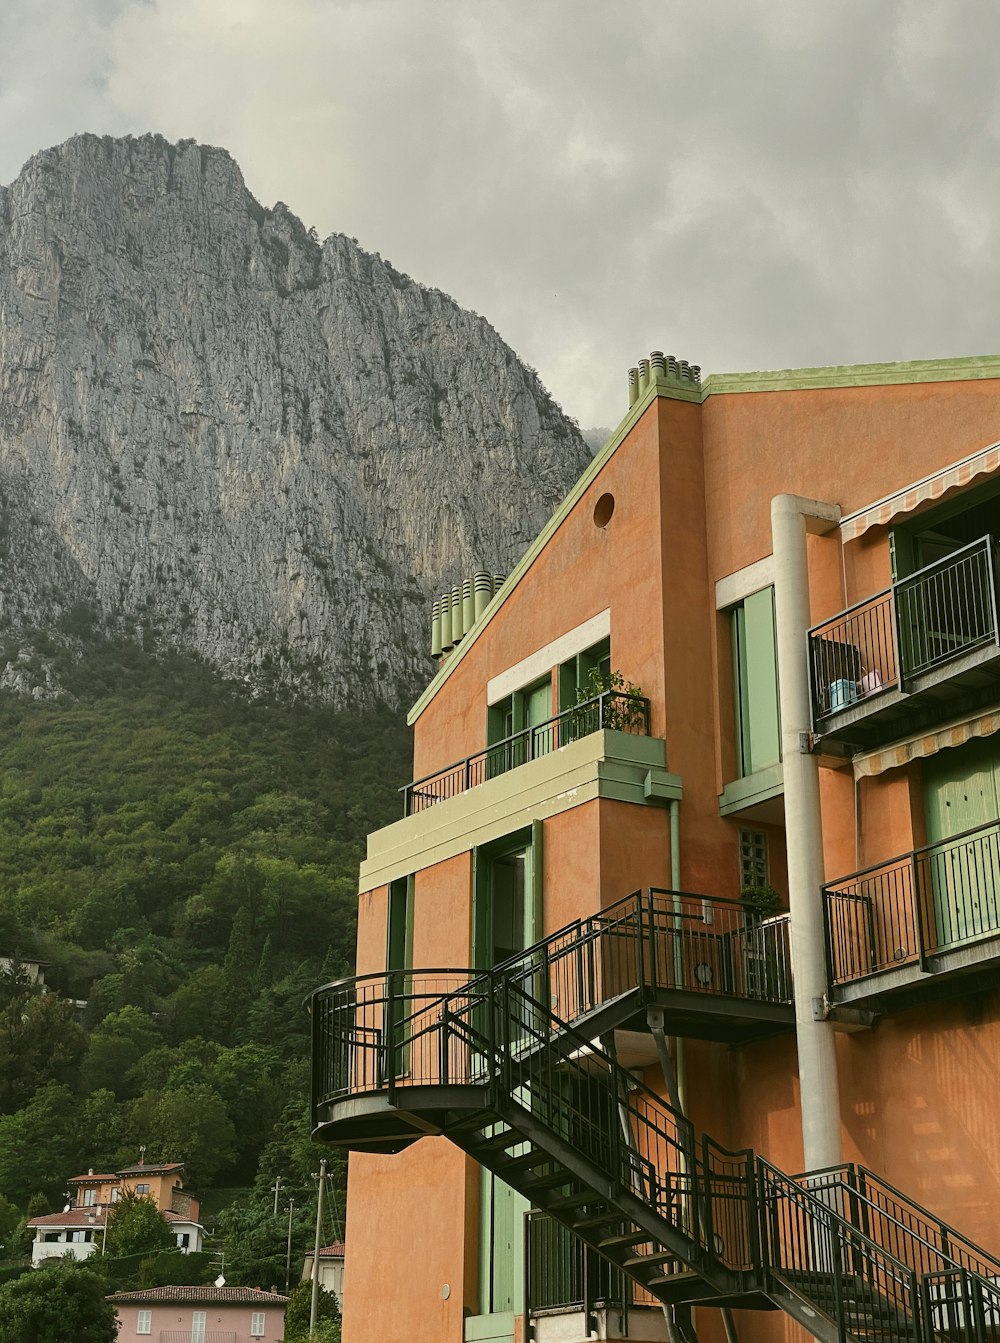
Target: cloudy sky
<point>743,183</point>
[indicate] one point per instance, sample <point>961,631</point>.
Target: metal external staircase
<point>487,1062</point>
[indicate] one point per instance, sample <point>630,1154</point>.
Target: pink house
<point>200,1315</point>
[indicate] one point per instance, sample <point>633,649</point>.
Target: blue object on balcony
<point>842,693</point>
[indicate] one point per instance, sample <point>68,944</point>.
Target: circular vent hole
<point>604,510</point>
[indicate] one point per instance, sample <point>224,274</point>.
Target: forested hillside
<point>187,864</point>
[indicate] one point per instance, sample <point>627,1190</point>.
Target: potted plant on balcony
<point>624,709</point>
<point>766,968</point>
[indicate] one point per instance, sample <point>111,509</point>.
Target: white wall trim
<point>744,583</point>
<point>539,664</point>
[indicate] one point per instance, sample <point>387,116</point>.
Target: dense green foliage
<point>186,863</point>
<point>59,1303</point>
<point>136,1226</point>
<point>299,1310</point>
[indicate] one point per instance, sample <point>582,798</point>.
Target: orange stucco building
<point>697,894</point>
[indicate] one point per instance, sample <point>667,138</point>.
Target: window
<point>399,925</point>
<point>506,896</point>
<point>753,859</point>
<point>89,1197</point>
<point>585,672</point>
<point>513,717</point>
<point>257,1324</point>
<point>116,1194</point>
<point>183,1239</point>
<point>755,684</point>
<point>198,1318</point>
<point>144,1322</point>
<point>142,1189</point>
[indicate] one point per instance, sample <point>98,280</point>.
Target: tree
<point>37,1145</point>
<point>39,1043</point>
<point>136,1226</point>
<point>298,1313</point>
<point>59,1303</point>
<point>188,1124</point>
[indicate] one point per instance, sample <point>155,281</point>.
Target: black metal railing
<point>923,1240</point>
<point>921,622</point>
<point>659,939</point>
<point>947,608</point>
<point>915,905</point>
<point>562,1272</point>
<point>849,1247</point>
<point>613,710</point>
<point>960,1307</point>
<point>853,656</point>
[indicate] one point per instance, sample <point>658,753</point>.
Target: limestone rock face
<point>219,434</point>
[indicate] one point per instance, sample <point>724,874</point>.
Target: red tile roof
<point>93,1179</point>
<point>206,1295</point>
<point>335,1251</point>
<point>152,1170</point>
<point>94,1216</point>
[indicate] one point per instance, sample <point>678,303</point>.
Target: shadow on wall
<point>928,1122</point>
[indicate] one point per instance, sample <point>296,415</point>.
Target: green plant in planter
<point>763,900</point>
<point>623,712</point>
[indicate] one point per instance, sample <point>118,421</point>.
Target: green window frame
<point>755,683</point>
<point>575,674</point>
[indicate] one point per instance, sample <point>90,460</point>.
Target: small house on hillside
<point>236,1314</point>
<point>80,1228</point>
<point>331,1269</point>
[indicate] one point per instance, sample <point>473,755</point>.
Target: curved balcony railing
<point>916,905</point>
<point>649,941</point>
<point>613,710</point>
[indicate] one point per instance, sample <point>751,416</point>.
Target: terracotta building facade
<point>676,1012</point>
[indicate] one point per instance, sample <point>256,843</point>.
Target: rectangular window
<point>144,1322</point>
<point>116,1194</point>
<point>257,1324</point>
<point>514,726</point>
<point>753,859</point>
<point>89,1197</point>
<point>755,683</point>
<point>585,675</point>
<point>142,1189</point>
<point>198,1319</point>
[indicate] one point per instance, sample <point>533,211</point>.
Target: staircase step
<point>540,1182</point>
<point>499,1142</point>
<point>631,1238</point>
<point>642,1260</point>
<point>602,1219</point>
<point>526,1162</point>
<point>570,1202</point>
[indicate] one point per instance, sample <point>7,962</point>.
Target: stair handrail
<point>859,1244</point>
<point>977,1260</point>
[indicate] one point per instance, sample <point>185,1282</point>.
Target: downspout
<point>792,518</point>
<point>675,884</point>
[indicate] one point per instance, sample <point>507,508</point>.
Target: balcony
<point>613,710</point>
<point>928,916</point>
<point>925,648</point>
<point>713,968</point>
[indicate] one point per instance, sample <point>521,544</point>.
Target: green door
<point>961,791</point>
<point>537,710</point>
<point>506,907</point>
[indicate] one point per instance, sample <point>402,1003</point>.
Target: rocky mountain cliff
<point>219,434</point>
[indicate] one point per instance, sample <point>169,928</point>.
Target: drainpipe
<point>675,883</point>
<point>791,519</point>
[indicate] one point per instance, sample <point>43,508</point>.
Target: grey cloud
<point>751,184</point>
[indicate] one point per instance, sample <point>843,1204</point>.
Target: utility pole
<point>288,1256</point>
<point>276,1188</point>
<point>315,1266</point>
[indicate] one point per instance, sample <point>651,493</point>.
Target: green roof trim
<point>964,369</point>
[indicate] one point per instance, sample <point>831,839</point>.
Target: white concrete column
<point>791,518</point>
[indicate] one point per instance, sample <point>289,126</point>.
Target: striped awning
<point>985,462</point>
<point>926,743</point>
